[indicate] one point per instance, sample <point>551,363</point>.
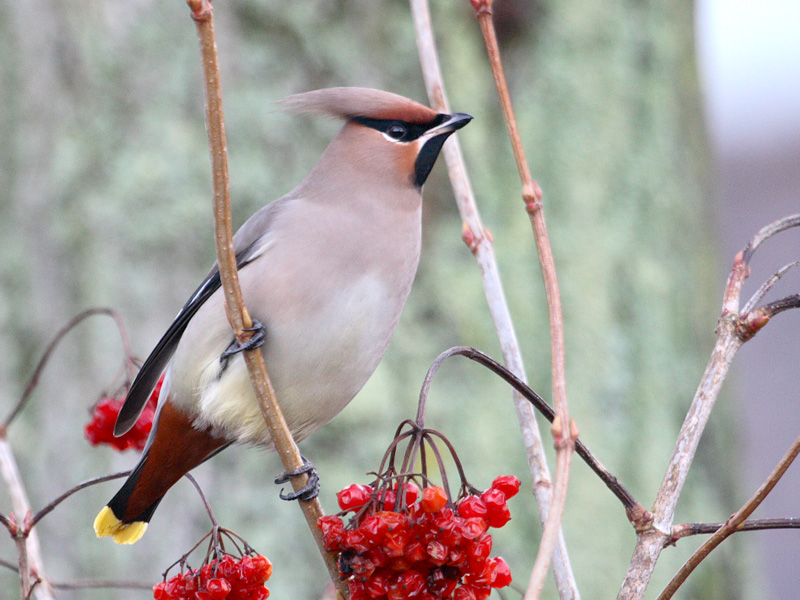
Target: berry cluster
<point>100,430</point>
<point>427,550</point>
<point>226,579</point>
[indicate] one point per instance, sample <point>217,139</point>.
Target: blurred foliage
<point>105,200</point>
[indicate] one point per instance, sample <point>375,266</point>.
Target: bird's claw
<point>309,491</point>
<point>256,341</point>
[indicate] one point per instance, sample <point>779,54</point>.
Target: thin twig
<point>733,330</point>
<point>197,487</point>
<point>563,428</point>
<point>480,244</point>
<point>632,506</point>
<point>47,509</point>
<point>733,524</point>
<point>237,313</point>
<point>741,263</point>
<point>688,529</point>
<point>27,540</point>
<point>767,286</point>
<point>37,372</point>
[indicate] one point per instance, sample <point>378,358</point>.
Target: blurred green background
<point>105,201</point>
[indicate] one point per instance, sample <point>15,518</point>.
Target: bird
<point>325,272</point>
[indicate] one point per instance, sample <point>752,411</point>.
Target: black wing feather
<point>157,361</point>
<point>155,364</point>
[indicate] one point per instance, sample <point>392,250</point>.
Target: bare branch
<point>532,196</point>
<point>733,330</point>
<point>27,540</point>
<point>741,263</point>
<point>633,508</point>
<point>238,316</point>
<point>687,529</point>
<point>480,243</point>
<point>767,286</point>
<point>733,524</point>
<point>34,381</point>
<point>49,508</point>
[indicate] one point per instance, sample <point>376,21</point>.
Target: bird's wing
<point>249,244</point>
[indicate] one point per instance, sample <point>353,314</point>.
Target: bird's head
<point>389,136</point>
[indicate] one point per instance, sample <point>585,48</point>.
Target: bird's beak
<point>449,125</point>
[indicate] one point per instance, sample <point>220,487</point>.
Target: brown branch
<point>632,507</point>
<point>49,508</point>
<point>480,244</point>
<point>563,428</point>
<point>741,263</point>
<point>237,313</point>
<point>34,380</point>
<point>733,524</point>
<point>733,330</point>
<point>767,286</point>
<point>687,529</point>
<point>25,537</point>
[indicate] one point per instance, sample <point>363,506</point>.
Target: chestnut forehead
<point>410,112</point>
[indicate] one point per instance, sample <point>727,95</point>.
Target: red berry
<point>354,496</point>
<point>437,552</point>
<point>377,585</point>
<point>433,499</point>
<point>497,513</point>
<point>332,530</point>
<point>464,592</point>
<point>389,500</point>
<point>472,506</point>
<point>412,493</point>
<point>218,589</point>
<point>160,591</point>
<point>508,484</point>
<point>406,585</point>
<point>357,590</point>
<point>500,573</point>
<point>474,527</point>
<point>263,568</point>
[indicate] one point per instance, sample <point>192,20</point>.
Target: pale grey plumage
<point>326,269</point>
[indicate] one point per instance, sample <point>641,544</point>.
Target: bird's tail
<point>175,449</point>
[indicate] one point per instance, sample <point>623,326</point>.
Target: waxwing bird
<point>325,271</point>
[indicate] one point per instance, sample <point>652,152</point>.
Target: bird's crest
<point>352,102</point>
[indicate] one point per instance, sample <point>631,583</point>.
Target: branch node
<point>201,9</point>
<point>557,430</point>
<point>470,238</point>
<point>641,519</point>
<point>751,323</point>
<point>482,7</point>
<point>532,196</point>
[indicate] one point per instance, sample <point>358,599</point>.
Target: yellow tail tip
<point>107,524</point>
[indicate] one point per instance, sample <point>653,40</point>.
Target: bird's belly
<point>317,360</point>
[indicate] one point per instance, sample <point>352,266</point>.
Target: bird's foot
<point>256,341</point>
<point>309,491</point>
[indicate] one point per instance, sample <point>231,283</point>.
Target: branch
<point>49,508</point>
<point>687,529</point>
<point>480,244</point>
<point>733,524</point>
<point>237,313</point>
<point>27,541</point>
<point>633,508</point>
<point>34,381</point>
<point>733,330</point>
<point>564,431</point>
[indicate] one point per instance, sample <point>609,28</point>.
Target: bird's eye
<point>396,131</point>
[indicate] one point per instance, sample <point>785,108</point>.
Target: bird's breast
<point>330,302</point>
